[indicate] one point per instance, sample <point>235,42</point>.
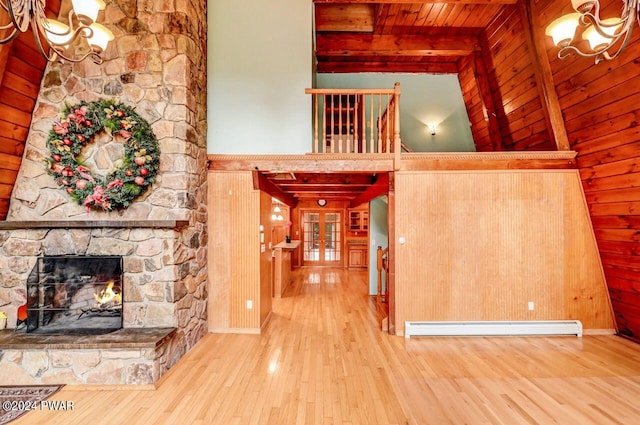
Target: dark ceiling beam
<point>394,45</point>
<point>381,187</point>
<point>409,67</point>
<point>312,188</point>
<point>544,78</point>
<point>334,196</point>
<point>484,2</point>
<point>365,179</point>
<point>265,185</point>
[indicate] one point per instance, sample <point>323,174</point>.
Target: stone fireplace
<point>163,305</point>
<point>157,65</point>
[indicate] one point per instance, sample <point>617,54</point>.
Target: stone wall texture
<point>156,64</point>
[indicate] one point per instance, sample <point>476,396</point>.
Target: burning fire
<point>107,297</point>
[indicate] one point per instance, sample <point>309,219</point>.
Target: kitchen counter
<point>282,266</point>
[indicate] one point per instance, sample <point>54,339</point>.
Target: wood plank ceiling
<point>396,36</point>
<point>384,36</point>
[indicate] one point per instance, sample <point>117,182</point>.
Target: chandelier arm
<point>83,31</point>
<point>605,52</point>
<point>11,36</point>
<point>566,51</point>
<point>23,15</point>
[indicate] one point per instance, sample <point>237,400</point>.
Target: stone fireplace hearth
<point>163,309</point>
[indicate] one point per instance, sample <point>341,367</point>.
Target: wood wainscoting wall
<point>480,245</point>
<point>235,261</point>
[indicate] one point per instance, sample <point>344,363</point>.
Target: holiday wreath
<point>131,175</point>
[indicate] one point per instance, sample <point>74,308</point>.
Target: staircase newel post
<point>397,142</point>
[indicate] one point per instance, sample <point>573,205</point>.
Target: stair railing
<point>356,120</point>
<point>383,265</point>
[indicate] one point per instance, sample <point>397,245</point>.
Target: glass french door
<point>322,238</point>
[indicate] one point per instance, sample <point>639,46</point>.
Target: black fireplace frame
<point>49,278</point>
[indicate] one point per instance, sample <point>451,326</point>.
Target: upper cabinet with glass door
<point>358,221</point>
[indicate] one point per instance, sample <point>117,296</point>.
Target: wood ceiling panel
<point>384,36</point>
<point>345,17</point>
<point>295,186</point>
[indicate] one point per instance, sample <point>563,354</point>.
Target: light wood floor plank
<point>322,360</point>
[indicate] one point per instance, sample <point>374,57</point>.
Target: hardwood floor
<point>322,360</point>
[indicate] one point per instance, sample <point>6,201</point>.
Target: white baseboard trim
<point>494,328</point>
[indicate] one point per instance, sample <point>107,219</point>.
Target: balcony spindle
<point>349,120</point>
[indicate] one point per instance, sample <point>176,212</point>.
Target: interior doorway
<point>322,238</point>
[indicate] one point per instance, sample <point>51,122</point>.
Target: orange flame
<point>108,296</point>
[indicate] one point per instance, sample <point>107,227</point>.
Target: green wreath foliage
<point>131,175</point>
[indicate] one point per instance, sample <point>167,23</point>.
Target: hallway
<point>322,360</point>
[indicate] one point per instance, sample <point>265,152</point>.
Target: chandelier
<point>605,37</point>
<point>63,40</point>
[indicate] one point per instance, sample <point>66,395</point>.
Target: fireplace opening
<point>75,295</point>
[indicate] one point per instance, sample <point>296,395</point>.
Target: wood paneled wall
<point>600,105</point>
<point>266,259</point>
<point>21,70</point>
<point>481,245</point>
<point>234,253</point>
<point>513,97</point>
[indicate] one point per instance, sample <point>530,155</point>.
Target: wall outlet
<point>531,306</point>
<point>249,304</point>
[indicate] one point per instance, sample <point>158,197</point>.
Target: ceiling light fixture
<point>62,39</point>
<point>602,34</point>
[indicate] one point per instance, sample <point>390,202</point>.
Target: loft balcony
<point>360,121</point>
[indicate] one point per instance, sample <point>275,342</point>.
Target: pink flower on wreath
<point>84,172</point>
<point>61,128</point>
<point>115,183</point>
<point>126,135</point>
<point>97,198</point>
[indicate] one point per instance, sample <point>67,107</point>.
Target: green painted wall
<point>378,236</point>
<point>259,64</point>
<point>425,99</point>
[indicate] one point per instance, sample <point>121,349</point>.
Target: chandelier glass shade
<point>605,38</point>
<point>83,37</point>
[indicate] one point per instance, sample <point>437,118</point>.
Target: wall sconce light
<point>432,128</point>
<point>61,38</point>
<point>602,34</point>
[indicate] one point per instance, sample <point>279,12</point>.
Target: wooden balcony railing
<point>356,120</point>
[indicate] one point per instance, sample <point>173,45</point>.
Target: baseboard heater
<point>494,328</point>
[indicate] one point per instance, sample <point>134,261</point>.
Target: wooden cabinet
<point>358,256</point>
<point>358,221</point>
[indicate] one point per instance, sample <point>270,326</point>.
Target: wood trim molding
<point>489,161</point>
<point>523,155</point>
<point>326,163</point>
<point>302,163</point>
<point>93,224</point>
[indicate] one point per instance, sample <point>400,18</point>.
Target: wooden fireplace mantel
<point>76,224</point>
